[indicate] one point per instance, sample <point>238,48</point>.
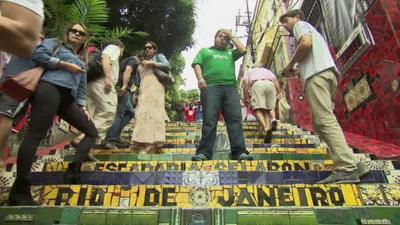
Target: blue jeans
<point>124,114</point>
<point>226,99</point>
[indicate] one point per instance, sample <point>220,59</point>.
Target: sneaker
<point>342,178</point>
<point>199,157</point>
<point>362,169</point>
<point>110,145</point>
<point>122,140</point>
<point>245,157</point>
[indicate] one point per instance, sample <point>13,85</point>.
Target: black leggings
<point>49,100</point>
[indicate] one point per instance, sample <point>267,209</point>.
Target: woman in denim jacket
<point>149,128</point>
<point>62,92</point>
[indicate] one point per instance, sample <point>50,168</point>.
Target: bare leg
<point>259,113</point>
<point>5,131</point>
<point>19,28</point>
<point>270,116</point>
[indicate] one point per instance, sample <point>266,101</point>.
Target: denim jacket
<point>43,56</point>
<point>164,66</point>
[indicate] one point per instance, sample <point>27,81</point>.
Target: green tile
<point>48,216</point>
<point>119,217</point>
<point>277,156</point>
<point>70,216</point>
<point>167,216</point>
<point>303,218</point>
<point>261,156</point>
<point>255,217</point>
<point>337,216</point>
<point>144,157</point>
<point>230,216</point>
<point>162,157</point>
<point>382,213</point>
<point>17,216</point>
<point>144,217</point>
<point>93,217</point>
<point>180,157</point>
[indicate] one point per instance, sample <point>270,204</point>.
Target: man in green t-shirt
<point>215,71</point>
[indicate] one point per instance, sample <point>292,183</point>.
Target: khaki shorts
<point>263,95</point>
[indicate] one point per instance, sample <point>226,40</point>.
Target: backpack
<point>95,67</point>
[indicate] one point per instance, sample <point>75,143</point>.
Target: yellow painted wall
<point>264,27</point>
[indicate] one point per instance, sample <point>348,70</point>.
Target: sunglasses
<point>75,31</point>
<point>148,47</point>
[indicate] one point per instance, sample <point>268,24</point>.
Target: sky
<point>211,16</point>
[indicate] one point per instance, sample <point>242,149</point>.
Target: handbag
<point>165,78</point>
<point>23,85</point>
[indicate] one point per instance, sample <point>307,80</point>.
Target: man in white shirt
<point>20,26</point>
<point>318,73</point>
<point>102,96</point>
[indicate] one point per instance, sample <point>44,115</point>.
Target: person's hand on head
<point>228,32</point>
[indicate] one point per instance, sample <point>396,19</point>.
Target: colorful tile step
<point>87,216</point>
<point>188,157</point>
<point>248,141</point>
<point>185,135</point>
<point>195,178</point>
<point>202,216</point>
<point>271,150</point>
<point>249,145</point>
<point>317,216</point>
<point>222,216</point>
<point>298,195</point>
<point>210,166</point>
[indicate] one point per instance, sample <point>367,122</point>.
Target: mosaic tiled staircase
<point>278,188</point>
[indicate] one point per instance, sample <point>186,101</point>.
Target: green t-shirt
<point>218,65</point>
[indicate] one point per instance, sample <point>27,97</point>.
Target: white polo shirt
<point>114,53</point>
<point>34,5</point>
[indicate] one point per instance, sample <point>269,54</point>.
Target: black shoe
<point>274,125</point>
<point>72,175</point>
<point>20,194</point>
<point>268,136</point>
<point>245,157</point>
<point>199,157</point>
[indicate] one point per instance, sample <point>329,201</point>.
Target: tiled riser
<point>246,216</point>
<point>223,196</point>
<point>198,178</point>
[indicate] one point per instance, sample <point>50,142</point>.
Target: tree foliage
<point>169,23</point>
<point>62,13</point>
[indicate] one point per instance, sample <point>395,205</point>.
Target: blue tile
<point>228,177</point>
<point>273,178</point>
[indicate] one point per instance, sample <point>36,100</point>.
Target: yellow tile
<point>140,196</point>
<point>134,193</point>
